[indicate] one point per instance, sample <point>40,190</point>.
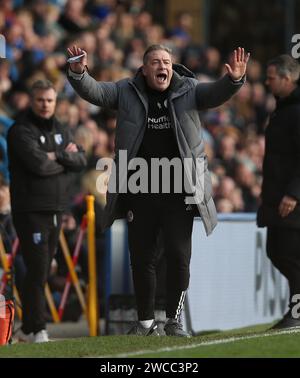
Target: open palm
<point>238,65</point>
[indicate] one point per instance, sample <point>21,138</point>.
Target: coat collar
<point>178,85</point>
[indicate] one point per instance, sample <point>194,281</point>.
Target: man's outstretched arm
<point>211,95</point>
<point>98,93</point>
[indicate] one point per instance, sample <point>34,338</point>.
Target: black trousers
<point>38,234</point>
<point>148,216</point>
<point>283,249</point>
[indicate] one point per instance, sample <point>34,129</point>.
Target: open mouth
<point>161,77</point>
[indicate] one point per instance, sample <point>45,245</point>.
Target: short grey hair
<point>41,85</point>
<point>155,48</point>
<point>286,66</point>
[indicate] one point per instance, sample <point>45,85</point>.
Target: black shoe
<point>174,327</point>
<point>139,330</point>
<point>287,322</point>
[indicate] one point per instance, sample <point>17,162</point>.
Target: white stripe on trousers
<point>180,304</point>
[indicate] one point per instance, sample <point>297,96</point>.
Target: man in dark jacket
<point>158,120</point>
<point>41,156</point>
<point>280,210</point>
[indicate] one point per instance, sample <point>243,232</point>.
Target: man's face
<point>276,83</point>
<point>158,70</point>
<point>43,102</point>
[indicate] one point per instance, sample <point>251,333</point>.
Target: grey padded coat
<point>186,97</point>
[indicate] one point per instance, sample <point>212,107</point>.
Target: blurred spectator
<point>227,153</point>
<point>124,31</point>
<point>254,71</point>
<point>246,179</point>
<point>74,18</point>
<point>226,187</point>
<point>19,101</point>
<point>183,27</point>
<point>212,62</point>
<point>5,82</point>
<point>259,98</point>
<point>224,205</point>
<point>84,137</point>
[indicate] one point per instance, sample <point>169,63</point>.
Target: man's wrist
<point>75,75</point>
<point>75,72</point>
<point>236,80</point>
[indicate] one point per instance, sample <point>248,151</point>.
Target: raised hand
<point>287,205</point>
<point>238,64</point>
<point>78,67</point>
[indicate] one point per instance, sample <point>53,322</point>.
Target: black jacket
<point>281,167</point>
<point>38,183</point>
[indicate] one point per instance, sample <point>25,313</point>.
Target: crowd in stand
<point>115,35</point>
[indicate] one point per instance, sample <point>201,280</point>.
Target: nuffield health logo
<point>2,46</point>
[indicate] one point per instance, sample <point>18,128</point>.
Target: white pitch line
<point>204,343</point>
